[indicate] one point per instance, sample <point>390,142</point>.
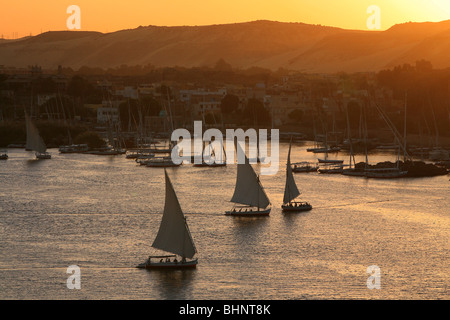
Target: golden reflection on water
<point>102,213</point>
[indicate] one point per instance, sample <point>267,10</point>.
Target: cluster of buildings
<point>189,102</point>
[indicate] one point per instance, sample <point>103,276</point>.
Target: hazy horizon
<point>227,23</point>
<point>30,18</point>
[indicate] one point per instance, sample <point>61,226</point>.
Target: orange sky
<point>24,17</point>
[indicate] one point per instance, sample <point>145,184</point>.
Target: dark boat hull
<point>255,213</point>
<point>296,209</point>
<point>169,265</point>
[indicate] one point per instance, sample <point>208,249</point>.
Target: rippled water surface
<point>102,214</point>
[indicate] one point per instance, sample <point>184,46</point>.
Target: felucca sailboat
<point>173,236</point>
<point>35,141</point>
<point>291,191</point>
<point>249,194</point>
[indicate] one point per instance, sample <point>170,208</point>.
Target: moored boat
<point>304,167</point>
<point>330,161</point>
<point>3,155</point>
<point>107,151</point>
<point>74,148</point>
<point>385,173</point>
<point>353,172</point>
<point>326,150</point>
<point>161,162</point>
<point>44,155</point>
<point>331,169</point>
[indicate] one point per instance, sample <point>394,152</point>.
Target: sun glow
<point>22,18</point>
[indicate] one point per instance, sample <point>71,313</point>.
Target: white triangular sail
<point>173,235</point>
<point>248,190</point>
<point>34,140</point>
<point>290,190</point>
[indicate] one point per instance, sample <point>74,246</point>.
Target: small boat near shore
<point>212,165</point>
<point>161,162</point>
<point>353,172</point>
<point>3,155</point>
<point>160,150</point>
<point>330,161</point>
<point>324,150</point>
<point>107,151</point>
<point>142,160</point>
<point>139,154</point>
<point>314,149</point>
<point>304,167</point>
<point>44,155</point>
<point>74,148</point>
<point>385,173</point>
<point>331,169</point>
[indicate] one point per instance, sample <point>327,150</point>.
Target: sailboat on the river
<point>173,237</point>
<point>249,194</point>
<point>291,191</point>
<point>35,141</point>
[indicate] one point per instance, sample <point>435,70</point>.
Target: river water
<point>102,213</point>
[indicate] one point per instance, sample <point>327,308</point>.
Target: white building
<point>108,112</point>
<point>127,92</point>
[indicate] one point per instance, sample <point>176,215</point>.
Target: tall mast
<point>349,139</point>
<point>404,129</point>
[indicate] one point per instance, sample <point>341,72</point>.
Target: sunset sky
<point>25,17</point>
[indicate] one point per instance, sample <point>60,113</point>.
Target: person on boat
<point>161,261</point>
<point>183,260</point>
<point>175,260</point>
